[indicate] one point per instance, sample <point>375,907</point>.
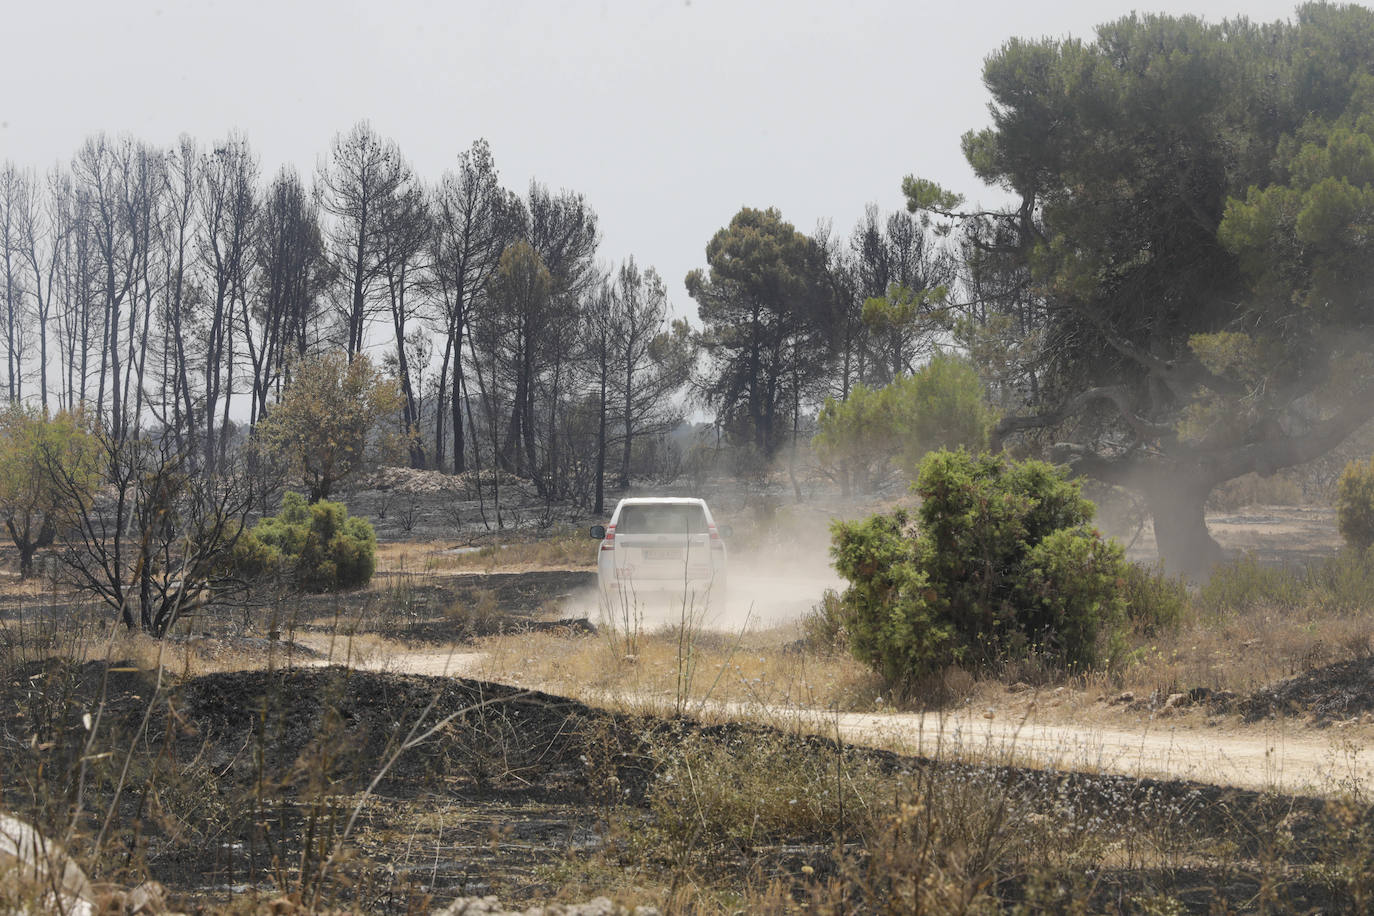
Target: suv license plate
<point>651,554</point>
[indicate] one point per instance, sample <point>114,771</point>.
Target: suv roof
<point>662,500</point>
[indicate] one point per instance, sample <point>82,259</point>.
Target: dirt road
<point>1285,757</point>
<point>1281,756</point>
<point>1277,755</point>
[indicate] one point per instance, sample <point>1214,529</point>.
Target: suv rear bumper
<point>649,590</point>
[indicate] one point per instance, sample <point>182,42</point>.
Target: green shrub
<point>940,405</point>
<point>1355,504</point>
<point>1154,601</point>
<point>1342,584</point>
<point>1337,585</point>
<point>823,629</point>
<point>1002,565</point>
<point>317,547</point>
<point>1246,584</point>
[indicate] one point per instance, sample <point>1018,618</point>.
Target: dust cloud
<point>757,598</point>
<point>778,569</point>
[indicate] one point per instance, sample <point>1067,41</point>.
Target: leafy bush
<point>940,405</point>
<point>1338,585</point>
<point>1001,565</point>
<point>317,547</point>
<point>1246,585</point>
<point>325,425</point>
<point>1154,601</point>
<point>823,626</point>
<point>46,463</point>
<point>1342,584</point>
<point>1355,504</point>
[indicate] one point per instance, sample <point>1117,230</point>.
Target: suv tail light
<point>608,543</point>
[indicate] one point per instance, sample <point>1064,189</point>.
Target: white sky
<point>669,115</point>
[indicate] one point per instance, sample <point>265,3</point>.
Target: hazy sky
<point>669,115</point>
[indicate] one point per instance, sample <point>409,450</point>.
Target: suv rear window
<point>666,519</point>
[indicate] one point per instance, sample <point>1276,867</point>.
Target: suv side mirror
<point>599,532</point>
<point>725,531</point>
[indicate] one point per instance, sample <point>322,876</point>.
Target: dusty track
<point>1279,755</point>
<point>1289,757</point>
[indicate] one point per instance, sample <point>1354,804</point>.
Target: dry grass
<point>13,586</point>
<point>1239,654</point>
<point>568,549</point>
<point>409,556</point>
<point>191,657</point>
<point>1246,651</point>
<point>768,669</point>
<point>1254,490</point>
<point>755,670</point>
<point>763,671</point>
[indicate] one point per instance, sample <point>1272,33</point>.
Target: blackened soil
<point>450,609</point>
<point>521,590</point>
<point>236,777</point>
<point>249,779</point>
<point>1328,694</point>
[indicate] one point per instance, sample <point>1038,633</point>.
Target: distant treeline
<point>172,290</point>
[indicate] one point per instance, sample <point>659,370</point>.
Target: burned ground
<point>248,779</point>
<point>264,763</point>
<point>445,609</point>
<point>1325,695</point>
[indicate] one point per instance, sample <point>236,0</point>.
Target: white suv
<point>659,545</point>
